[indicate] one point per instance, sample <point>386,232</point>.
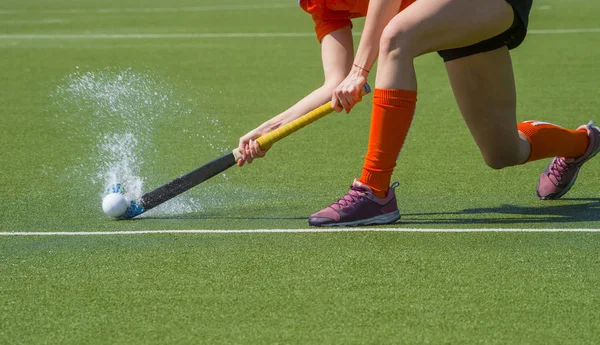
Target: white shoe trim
<point>381,219</point>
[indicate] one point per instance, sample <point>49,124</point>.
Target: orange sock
<point>549,140</point>
<point>392,114</point>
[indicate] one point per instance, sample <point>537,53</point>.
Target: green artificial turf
<point>67,92</point>
<point>339,288</point>
<point>62,98</point>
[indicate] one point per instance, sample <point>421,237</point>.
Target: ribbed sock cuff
<point>378,181</point>
<point>393,97</point>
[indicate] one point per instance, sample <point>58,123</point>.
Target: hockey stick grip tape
<point>274,136</point>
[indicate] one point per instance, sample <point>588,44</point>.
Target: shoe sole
<point>382,219</point>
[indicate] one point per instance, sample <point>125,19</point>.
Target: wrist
<point>360,69</point>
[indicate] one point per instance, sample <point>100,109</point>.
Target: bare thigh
<point>446,24</point>
<point>432,25</point>
<point>483,83</point>
<point>484,88</point>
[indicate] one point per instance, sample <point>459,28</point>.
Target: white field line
<point>281,231</point>
<point>27,21</point>
<point>92,36</point>
<point>155,36</point>
<point>176,9</point>
<point>564,31</point>
<point>159,9</point>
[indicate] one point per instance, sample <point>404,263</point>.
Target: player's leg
<point>425,26</point>
<point>433,25</point>
<point>560,175</point>
<point>481,75</point>
<point>485,92</point>
<point>484,89</point>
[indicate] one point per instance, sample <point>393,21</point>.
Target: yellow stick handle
<point>274,136</point>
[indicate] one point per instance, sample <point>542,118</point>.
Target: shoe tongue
<point>356,189</point>
<point>361,187</point>
<point>562,163</point>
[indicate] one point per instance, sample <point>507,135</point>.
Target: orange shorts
<point>330,15</point>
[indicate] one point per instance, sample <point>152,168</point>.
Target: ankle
<point>380,193</point>
<point>378,182</point>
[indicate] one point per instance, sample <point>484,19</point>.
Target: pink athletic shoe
<point>561,173</point>
<point>359,207</point>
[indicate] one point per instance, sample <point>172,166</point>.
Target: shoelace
<point>351,197</point>
<point>562,164</point>
<point>559,168</point>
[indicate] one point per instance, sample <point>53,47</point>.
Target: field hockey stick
<point>216,166</point>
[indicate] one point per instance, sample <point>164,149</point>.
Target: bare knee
<point>398,43</point>
<point>498,162</point>
<point>504,151</point>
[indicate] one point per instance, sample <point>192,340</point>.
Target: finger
<point>352,98</point>
<point>335,103</point>
<point>252,148</point>
<point>249,158</point>
<point>345,104</point>
<point>241,145</point>
<point>351,102</point>
<point>246,157</point>
<point>241,162</point>
<point>259,151</point>
<point>358,96</point>
<point>244,145</point>
<point>255,148</point>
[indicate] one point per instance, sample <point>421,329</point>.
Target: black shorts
<point>511,38</point>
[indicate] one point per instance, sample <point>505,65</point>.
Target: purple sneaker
<point>359,207</point>
<point>561,173</point>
